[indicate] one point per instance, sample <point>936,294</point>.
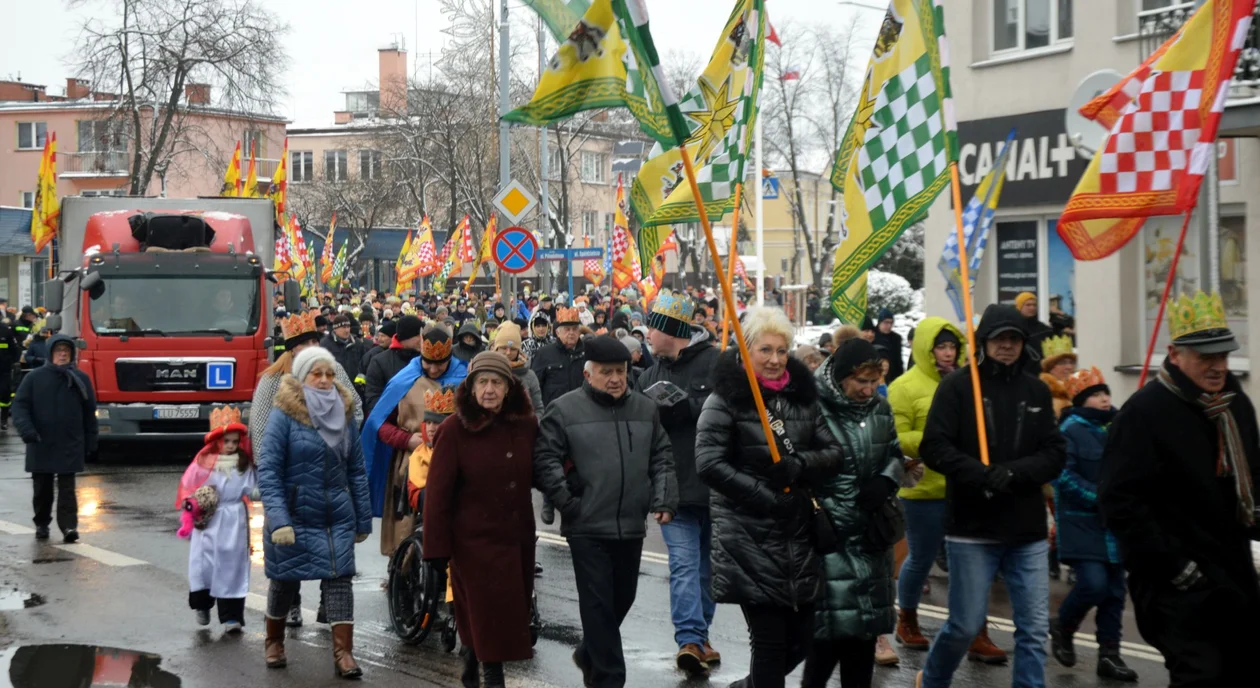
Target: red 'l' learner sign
<point>515,250</point>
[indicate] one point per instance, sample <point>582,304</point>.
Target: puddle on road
<point>12,599</point>
<point>44,666</point>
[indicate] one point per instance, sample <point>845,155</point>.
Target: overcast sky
<point>333,44</point>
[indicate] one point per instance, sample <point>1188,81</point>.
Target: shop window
<point>1030,24</point>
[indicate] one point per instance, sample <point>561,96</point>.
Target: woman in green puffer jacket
<point>858,604</point>
<point>938,349</point>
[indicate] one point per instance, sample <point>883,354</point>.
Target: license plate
<point>177,412</point>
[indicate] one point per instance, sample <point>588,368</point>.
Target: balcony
<point>1158,25</point>
<point>94,164</point>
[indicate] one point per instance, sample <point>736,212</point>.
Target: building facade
<point>1017,64</point>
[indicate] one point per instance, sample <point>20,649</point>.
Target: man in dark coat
<point>468,342</point>
<point>1176,490</point>
<point>559,364</point>
<point>997,515</point>
<point>345,348</point>
<point>404,347</point>
<point>686,366</point>
<point>378,344</point>
<point>1035,331</point>
<point>10,352</point>
<point>604,496</point>
<point>891,342</point>
<point>55,414</point>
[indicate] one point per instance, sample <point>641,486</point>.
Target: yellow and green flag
<point>560,16</point>
<point>339,266</point>
<point>720,111</point>
<point>895,156</point>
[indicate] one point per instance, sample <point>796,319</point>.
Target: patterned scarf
<point>1231,459</point>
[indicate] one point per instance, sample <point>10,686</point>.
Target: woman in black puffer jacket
<point>763,557</point>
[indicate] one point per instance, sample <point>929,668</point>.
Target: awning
<point>15,232</point>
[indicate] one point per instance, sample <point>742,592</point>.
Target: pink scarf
<point>775,385</point>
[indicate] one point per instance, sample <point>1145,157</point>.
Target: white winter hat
<point>307,358</point>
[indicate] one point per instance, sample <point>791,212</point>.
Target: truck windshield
<point>159,305</point>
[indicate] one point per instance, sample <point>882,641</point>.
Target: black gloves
<point>875,492</point>
<point>786,472</point>
<point>788,506</point>
<point>438,565</point>
<point>997,479</point>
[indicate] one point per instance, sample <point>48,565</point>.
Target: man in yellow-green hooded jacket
<point>937,350</point>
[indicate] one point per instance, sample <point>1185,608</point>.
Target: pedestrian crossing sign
<point>770,188</point>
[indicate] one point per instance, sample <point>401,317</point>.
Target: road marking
<point>15,529</point>
<point>1137,650</point>
<point>102,555</point>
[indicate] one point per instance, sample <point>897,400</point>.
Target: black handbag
<point>887,526</point>
<point>822,530</point>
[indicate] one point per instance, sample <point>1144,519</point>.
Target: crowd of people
<point>447,411</point>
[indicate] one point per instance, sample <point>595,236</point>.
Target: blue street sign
<point>559,254</point>
<point>219,375</point>
<point>770,188</point>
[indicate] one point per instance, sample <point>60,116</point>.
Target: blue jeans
<point>1026,569</point>
<point>690,574</point>
<point>1101,585</point>
<point>925,531</point>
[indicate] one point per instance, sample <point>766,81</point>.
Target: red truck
<point>170,304</point>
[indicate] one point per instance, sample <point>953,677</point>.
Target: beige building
<point>1016,64</point>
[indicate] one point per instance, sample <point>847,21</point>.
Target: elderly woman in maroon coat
<point>478,515</point>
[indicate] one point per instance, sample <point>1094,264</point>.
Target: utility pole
<point>544,152</point>
<point>505,73</point>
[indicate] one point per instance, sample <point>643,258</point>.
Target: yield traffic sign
<point>515,250</point>
<point>514,201</point>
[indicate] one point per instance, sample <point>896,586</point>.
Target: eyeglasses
<point>323,374</point>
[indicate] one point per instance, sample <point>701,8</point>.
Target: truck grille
<point>184,426</point>
<point>160,376</point>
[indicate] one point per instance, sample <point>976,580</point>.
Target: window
<point>27,199</point>
<point>555,162</point>
<point>335,166</point>
<point>363,102</point>
<point>140,303</point>
<point>31,135</point>
<point>1030,24</point>
<point>89,193</point>
<point>369,165</point>
<point>303,163</point>
<point>609,219</point>
<point>590,222</point>
<point>99,136</point>
<point>254,140</point>
<point>594,167</point>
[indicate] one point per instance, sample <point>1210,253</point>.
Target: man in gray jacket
<point>604,496</point>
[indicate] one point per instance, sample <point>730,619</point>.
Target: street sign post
<point>515,250</point>
<point>514,201</point>
<point>570,255</point>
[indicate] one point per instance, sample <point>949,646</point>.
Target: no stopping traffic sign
<point>515,250</point>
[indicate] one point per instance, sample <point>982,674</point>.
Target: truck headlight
<point>102,414</point>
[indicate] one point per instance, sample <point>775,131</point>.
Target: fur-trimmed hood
<point>730,381</point>
<point>516,406</point>
<point>291,400</point>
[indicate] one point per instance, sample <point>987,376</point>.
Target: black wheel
<point>535,620</point>
<point>412,591</point>
<point>450,634</point>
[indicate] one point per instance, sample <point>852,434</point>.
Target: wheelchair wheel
<point>535,620</point>
<point>450,634</point>
<point>413,591</point>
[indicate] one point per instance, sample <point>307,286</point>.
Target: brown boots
<point>343,645</point>
<point>983,650</point>
<point>908,633</point>
<point>274,644</point>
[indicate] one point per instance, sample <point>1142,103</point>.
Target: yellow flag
<point>251,179</point>
<point>278,190</point>
<point>46,214</point>
<point>232,177</point>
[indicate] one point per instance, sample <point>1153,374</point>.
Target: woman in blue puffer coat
<point>315,499</point>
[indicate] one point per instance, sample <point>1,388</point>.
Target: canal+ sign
<point>1042,168</point>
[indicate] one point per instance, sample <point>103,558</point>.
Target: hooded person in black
<point>468,342</point>
<point>997,517</point>
<point>1177,490</point>
<point>891,342</point>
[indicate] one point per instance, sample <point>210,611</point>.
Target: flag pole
<point>1163,301</point>
<point>729,301</point>
<point>730,263</point>
<point>968,310</point>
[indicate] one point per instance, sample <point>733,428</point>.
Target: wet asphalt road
<point>125,586</point>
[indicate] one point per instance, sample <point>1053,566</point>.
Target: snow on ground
<point>902,324</point>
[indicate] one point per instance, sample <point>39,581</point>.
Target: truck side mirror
<point>54,295</point>
<point>90,280</point>
<point>292,296</point>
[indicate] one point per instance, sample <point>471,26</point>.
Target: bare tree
<point>153,49</point>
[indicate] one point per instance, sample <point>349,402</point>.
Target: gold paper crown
<point>567,315</point>
<point>224,416</point>
<point>434,349</point>
<point>1082,380</point>
<point>678,307</point>
<point>1189,316</point>
<point>298,324</point>
<point>1056,346</point>
<point>442,402</point>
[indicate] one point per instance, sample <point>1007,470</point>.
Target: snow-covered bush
<point>886,290</point>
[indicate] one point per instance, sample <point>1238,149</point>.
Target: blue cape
<point>376,453</point>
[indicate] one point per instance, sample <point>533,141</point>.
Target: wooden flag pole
<point>969,312</point>
<point>729,302</point>
<point>1163,301</point>
<point>731,255</point>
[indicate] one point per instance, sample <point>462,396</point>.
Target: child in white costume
<point>218,560</point>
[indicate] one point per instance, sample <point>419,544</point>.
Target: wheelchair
<point>416,595</point>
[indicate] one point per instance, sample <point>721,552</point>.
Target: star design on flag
<point>716,119</point>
